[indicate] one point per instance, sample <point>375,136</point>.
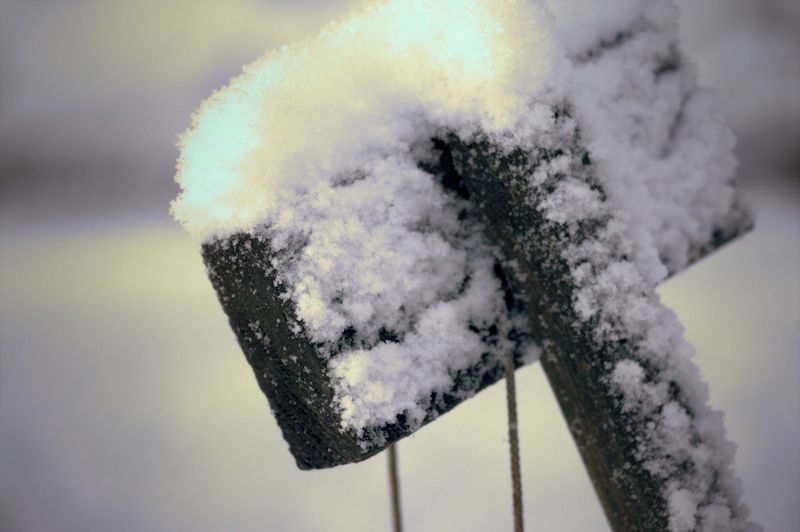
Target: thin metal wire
<point>513,441</point>
<point>394,490</point>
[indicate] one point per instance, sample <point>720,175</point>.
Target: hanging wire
<point>513,441</point>
<point>394,490</point>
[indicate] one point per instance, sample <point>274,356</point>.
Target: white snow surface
<point>388,253</point>
<point>659,141</point>
<point>360,90</point>
<point>320,143</point>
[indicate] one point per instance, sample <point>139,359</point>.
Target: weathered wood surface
<point>289,368</point>
<point>576,363</point>
<point>293,375</point>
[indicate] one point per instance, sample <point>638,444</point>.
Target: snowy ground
<point>125,403</point>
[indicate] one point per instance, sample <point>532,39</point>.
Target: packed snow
<point>323,147</point>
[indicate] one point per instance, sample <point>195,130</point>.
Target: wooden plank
<point>578,358</point>
<point>290,370</point>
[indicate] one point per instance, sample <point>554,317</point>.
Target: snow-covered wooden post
<point>388,212</point>
<point>614,357</point>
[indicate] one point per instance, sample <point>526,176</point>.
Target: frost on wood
<point>387,209</point>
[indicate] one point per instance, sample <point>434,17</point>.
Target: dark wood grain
<point>576,362</point>
<point>289,368</point>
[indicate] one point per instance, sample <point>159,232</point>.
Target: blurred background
<point>125,403</point>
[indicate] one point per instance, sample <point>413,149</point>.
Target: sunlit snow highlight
<point>363,87</point>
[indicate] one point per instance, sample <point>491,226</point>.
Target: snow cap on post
<point>387,209</point>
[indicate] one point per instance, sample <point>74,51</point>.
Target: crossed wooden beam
<point>613,354</point>
<point>577,357</point>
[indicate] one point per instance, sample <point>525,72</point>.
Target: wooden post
<point>576,359</point>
